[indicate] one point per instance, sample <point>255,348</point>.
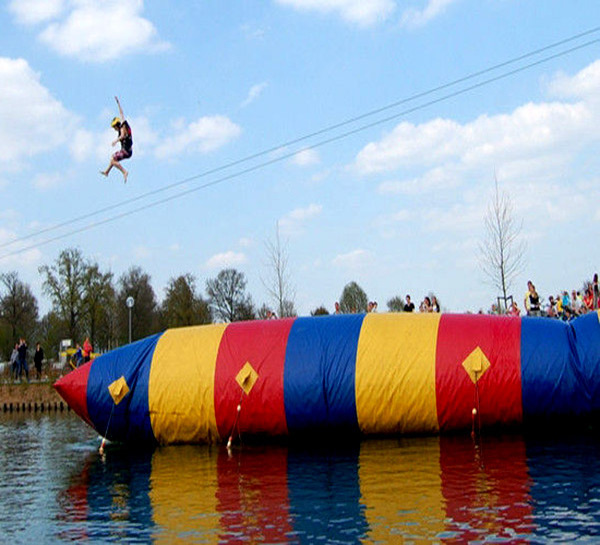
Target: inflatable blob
<point>398,373</point>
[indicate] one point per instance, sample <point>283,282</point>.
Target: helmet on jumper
<point>115,122</point>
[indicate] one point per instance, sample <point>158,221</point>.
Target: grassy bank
<point>36,391</point>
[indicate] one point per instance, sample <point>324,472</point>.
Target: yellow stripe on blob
<point>181,385</point>
<point>395,373</point>
<point>118,389</point>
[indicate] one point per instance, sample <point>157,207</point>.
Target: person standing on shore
<point>14,362</point>
<point>77,356</point>
<point>23,359</point>
<point>87,350</point>
<point>38,358</point>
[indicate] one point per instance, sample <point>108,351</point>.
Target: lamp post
<point>130,302</point>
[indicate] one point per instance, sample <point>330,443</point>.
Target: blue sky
<point>397,207</point>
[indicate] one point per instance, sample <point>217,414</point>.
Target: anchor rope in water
<point>236,421</point>
<point>101,450</point>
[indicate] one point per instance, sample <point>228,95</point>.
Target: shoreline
<point>30,396</point>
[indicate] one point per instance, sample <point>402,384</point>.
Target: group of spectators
<point>429,304</point>
<point>82,354</point>
<point>564,305</point>
<point>18,360</point>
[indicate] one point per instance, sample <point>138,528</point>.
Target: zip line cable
<point>300,139</point>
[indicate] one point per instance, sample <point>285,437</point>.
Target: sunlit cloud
<point>306,158</point>
<point>91,31</point>
<point>225,260</point>
<point>413,17</point>
<point>254,92</point>
<point>203,135</point>
<point>359,12</point>
<point>294,222</point>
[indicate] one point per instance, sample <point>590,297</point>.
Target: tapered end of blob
<point>73,389</point>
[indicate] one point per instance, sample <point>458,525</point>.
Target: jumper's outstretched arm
<point>120,109</point>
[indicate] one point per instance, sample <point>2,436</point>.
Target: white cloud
<point>245,242</point>
<point>414,17</point>
<point>434,179</point>
<point>226,259</point>
<point>33,121</point>
<point>444,170</point>
<point>204,135</point>
<point>352,260</point>
<point>253,32</point>
<point>395,224</point>
<point>32,12</point>
<point>82,144</point>
<point>89,30</point>
<point>142,252</point>
<point>584,85</point>
<point>359,12</point>
<point>254,92</point>
<point>26,258</point>
<point>45,181</point>
<point>528,131</point>
<point>293,222</point>
<point>306,158</point>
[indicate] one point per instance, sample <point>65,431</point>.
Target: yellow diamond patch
<point>118,390</point>
<point>247,377</point>
<point>475,364</point>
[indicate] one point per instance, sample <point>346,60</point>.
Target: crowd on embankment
<point>565,305</point>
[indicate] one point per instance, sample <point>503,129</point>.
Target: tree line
<point>87,301</point>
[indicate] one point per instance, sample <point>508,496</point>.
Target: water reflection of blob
<point>486,489</point>
<point>400,484</point>
<point>420,489</point>
<point>324,494</point>
<point>109,499</point>
<point>270,494</point>
<point>199,493</point>
<point>252,495</point>
<point>566,487</point>
<point>446,489</point>
<point>183,486</point>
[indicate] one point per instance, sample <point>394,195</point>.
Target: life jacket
<point>127,142</point>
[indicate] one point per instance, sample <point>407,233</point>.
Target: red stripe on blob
<point>262,343</point>
<point>73,389</point>
<point>499,387</point>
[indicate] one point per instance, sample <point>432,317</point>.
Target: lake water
<point>55,487</point>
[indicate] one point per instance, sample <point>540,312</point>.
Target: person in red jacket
<point>87,350</point>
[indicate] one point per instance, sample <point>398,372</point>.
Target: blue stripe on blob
<point>587,335</point>
<point>319,373</point>
<point>552,381</point>
<point>130,420</point>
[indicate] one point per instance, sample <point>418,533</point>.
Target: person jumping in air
<point>125,137</point>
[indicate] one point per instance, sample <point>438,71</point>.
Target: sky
<point>357,129</point>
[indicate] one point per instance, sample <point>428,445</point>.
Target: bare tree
<point>278,285</point>
<point>502,252</point>
<point>227,297</point>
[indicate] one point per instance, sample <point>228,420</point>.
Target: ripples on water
<point>55,487</point>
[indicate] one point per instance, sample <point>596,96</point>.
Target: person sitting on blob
<point>125,137</point>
